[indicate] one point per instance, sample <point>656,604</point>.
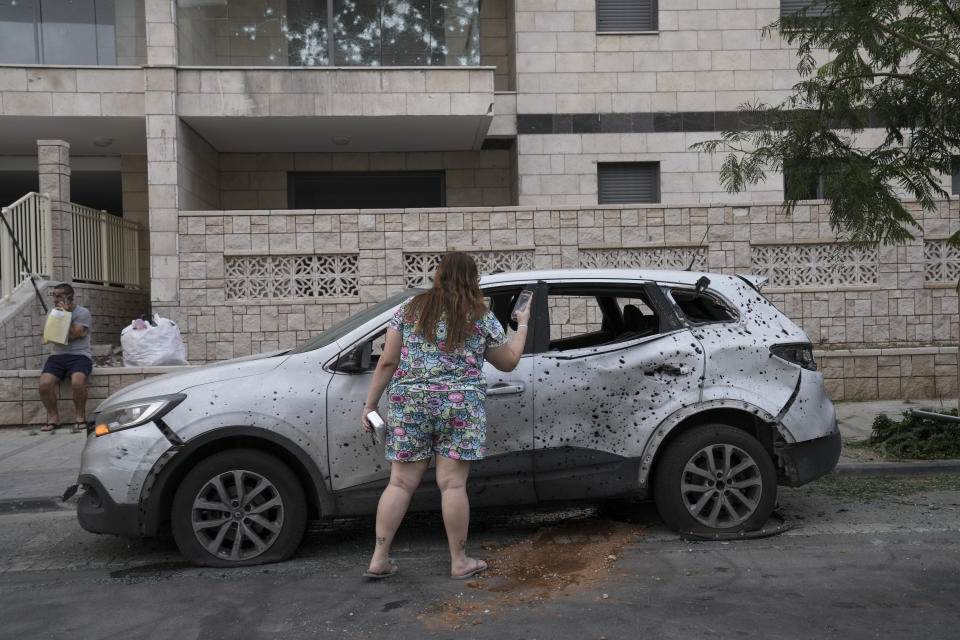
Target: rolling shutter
<point>628,182</point>
<point>626,15</point>
<point>788,7</point>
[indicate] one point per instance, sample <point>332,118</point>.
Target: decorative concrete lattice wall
<point>254,281</point>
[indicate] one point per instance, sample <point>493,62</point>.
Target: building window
<point>955,180</point>
<point>310,33</point>
<point>628,182</point>
<point>814,9</point>
<point>617,16</point>
<point>810,189</point>
<point>72,32</point>
<point>365,189</point>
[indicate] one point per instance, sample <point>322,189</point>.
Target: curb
<point>894,469</point>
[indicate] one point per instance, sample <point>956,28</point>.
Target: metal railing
<point>105,248</point>
<point>29,218</point>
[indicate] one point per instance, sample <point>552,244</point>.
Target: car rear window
<point>702,307</point>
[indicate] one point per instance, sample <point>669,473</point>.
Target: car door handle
<point>668,369</point>
<point>502,389</point>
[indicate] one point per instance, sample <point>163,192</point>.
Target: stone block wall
<point>496,36</point>
<point>136,207</point>
<point>65,91</point>
<point>198,170</point>
<point>20,399</point>
<point>259,180</point>
<point>890,373</point>
<point>255,281</point>
<point>22,320</point>
<point>335,91</point>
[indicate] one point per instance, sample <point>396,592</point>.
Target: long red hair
<point>455,297</point>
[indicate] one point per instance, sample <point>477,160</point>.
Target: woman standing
<point>433,361</point>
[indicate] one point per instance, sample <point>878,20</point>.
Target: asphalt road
<point>873,558</point>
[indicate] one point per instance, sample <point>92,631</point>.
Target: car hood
<point>178,381</point>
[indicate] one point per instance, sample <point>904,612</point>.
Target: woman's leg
<point>452,480</point>
<point>404,480</point>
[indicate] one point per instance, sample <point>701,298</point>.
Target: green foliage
<point>915,438</point>
<point>890,64</point>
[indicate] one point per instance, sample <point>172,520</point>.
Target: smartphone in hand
<point>379,427</point>
<point>522,301</point>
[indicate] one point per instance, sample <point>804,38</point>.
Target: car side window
<point>501,302</point>
<point>584,316</point>
<point>702,307</point>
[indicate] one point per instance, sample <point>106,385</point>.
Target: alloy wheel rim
<point>237,515</point>
<point>721,486</point>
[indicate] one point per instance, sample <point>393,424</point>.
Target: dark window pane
<point>15,184</point>
<point>18,33</point>
<point>106,16</point>
<point>365,189</point>
<point>626,15</point>
<point>101,190</point>
<point>68,32</point>
<point>809,187</point>
<point>356,30</point>
<point>628,182</point>
<point>307,33</point>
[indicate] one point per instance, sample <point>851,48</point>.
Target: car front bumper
<point>803,462</point>
<point>97,512</point>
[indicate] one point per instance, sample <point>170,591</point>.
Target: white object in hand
<point>379,426</point>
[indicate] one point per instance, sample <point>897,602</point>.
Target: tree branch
<point>884,74</point>
<point>950,12</point>
<point>936,53</point>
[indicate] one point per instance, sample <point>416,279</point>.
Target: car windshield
<point>349,324</point>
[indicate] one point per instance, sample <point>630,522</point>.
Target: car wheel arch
<point>156,499</point>
<point>751,419</point>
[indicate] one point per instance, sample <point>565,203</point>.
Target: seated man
<point>74,359</point>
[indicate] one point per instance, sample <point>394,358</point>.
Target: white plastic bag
<point>153,346</point>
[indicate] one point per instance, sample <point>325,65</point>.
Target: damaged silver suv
<point>689,388</point>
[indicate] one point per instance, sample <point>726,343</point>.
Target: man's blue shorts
<point>66,364</point>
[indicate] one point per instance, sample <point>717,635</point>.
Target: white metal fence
<point>29,218</point>
<point>105,248</point>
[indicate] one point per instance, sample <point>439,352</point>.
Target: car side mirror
<point>357,360</point>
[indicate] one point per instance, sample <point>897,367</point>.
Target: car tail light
<point>800,353</point>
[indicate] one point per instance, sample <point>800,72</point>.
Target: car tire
<point>237,508</point>
<point>715,479</point>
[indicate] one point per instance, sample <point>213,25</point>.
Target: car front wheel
<point>715,479</point>
<point>236,508</point>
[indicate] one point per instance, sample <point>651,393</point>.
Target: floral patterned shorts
<point>450,423</point>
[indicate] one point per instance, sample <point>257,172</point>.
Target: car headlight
<point>135,413</point>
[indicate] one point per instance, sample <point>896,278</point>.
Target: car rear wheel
<point>715,479</point>
<point>236,508</point>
